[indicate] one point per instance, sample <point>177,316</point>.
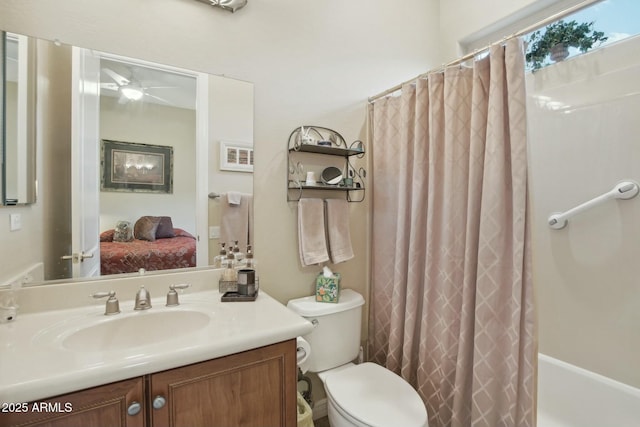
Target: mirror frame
<point>26,125</point>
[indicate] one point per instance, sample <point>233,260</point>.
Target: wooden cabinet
<point>104,405</point>
<point>252,388</point>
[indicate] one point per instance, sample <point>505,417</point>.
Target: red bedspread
<point>163,254</point>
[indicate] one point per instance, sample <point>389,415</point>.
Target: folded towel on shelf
<point>312,242</point>
<point>236,219</point>
<point>338,230</point>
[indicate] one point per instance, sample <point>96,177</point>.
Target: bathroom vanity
<point>203,362</point>
<point>255,387</point>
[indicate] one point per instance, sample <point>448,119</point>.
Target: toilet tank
<point>335,340</point>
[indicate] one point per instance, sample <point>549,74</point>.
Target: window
<point>605,22</point>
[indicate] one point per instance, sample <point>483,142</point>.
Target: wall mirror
<point>17,143</point>
<point>141,114</point>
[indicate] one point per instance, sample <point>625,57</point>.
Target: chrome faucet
<point>143,299</point>
<point>172,295</point>
<point>112,306</point>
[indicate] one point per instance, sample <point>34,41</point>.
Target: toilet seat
<point>375,396</point>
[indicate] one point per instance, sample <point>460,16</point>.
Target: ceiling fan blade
<point>161,87</point>
<point>120,80</point>
<point>109,86</point>
<point>158,98</point>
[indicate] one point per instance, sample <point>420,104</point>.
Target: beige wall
<point>158,125</point>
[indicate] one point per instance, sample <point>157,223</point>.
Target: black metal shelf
<point>325,141</point>
<point>332,151</point>
<point>321,186</point>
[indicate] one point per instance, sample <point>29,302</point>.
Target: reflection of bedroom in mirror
<point>182,112</point>
<point>147,116</point>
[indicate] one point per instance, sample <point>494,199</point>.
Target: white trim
<point>202,169</point>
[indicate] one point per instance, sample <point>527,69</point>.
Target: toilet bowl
<point>358,395</point>
<point>369,395</point>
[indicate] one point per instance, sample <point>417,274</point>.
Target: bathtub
<point>569,396</point>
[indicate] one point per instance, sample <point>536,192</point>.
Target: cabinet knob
<point>134,408</point>
<point>159,402</point>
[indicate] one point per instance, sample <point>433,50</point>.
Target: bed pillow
<point>123,232</point>
<point>146,227</point>
<point>107,236</point>
<point>182,233</point>
<point>165,228</point>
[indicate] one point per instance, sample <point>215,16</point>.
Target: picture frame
<point>236,156</point>
<point>136,167</point>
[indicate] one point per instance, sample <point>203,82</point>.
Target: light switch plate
<point>15,222</point>
<point>214,232</point>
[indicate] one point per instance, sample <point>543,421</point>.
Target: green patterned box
<point>328,288</point>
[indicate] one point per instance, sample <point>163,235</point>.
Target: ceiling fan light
<point>131,92</point>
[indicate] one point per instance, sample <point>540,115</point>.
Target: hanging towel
<point>338,228</point>
<point>236,219</point>
<point>234,197</point>
<point>311,232</point>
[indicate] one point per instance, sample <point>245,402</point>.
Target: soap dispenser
<point>230,274</point>
<point>250,261</point>
<point>221,259</point>
<point>238,256</point>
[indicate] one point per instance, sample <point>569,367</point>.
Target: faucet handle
<point>112,306</point>
<point>172,295</point>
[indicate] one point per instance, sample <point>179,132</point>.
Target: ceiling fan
<point>130,89</point>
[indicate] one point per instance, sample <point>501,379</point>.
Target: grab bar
<point>623,190</point>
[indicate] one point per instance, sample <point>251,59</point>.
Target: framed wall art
<point>134,167</point>
<point>236,156</point>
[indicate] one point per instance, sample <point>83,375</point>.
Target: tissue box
<point>328,288</point>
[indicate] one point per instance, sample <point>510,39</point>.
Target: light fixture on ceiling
<point>132,92</point>
<point>230,5</point>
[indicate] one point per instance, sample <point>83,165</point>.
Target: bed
<point>161,254</point>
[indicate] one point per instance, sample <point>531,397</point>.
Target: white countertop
<point>35,365</point>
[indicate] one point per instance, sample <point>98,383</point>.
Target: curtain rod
<point>473,54</point>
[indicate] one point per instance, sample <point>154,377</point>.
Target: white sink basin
<point>139,329</point>
<point>124,331</point>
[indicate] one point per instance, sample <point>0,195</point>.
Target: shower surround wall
<point>583,139</point>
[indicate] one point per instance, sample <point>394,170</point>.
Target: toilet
<point>362,395</point>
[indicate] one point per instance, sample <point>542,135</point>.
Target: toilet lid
<point>376,396</point>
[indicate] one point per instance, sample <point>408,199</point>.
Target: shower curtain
<point>451,300</point>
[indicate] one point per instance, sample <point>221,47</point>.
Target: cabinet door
<point>99,406</point>
<point>253,388</point>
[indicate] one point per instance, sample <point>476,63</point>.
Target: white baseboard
<point>320,409</point>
